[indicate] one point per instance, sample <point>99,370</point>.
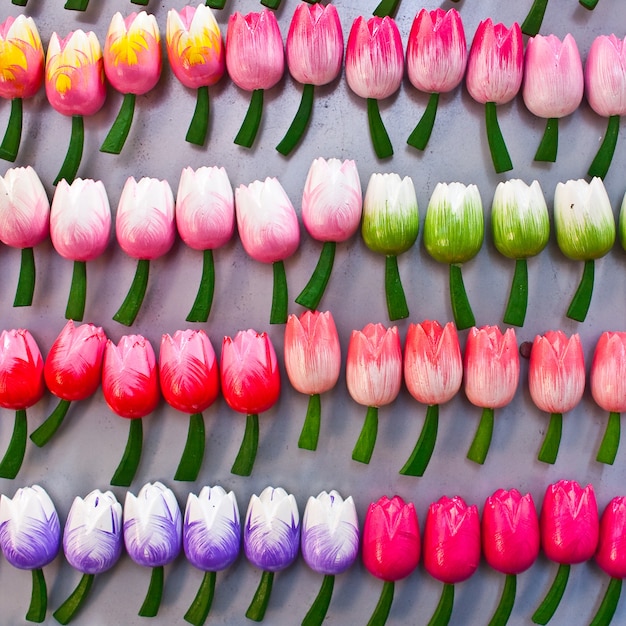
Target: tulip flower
<point>269,231</point>
<point>30,537</point>
<point>250,382</point>
<point>331,211</point>
<point>553,86</point>
<point>314,52</point>
<point>390,227</point>
<point>313,363</point>
<point>21,386</point>
<point>433,371</point>
<point>196,54</point>
<point>72,371</point>
<point>92,542</point>
<point>74,80</point>
<point>494,76</point>
<point>374,69</point>
<point>510,541</point>
<point>330,545</point>
<point>80,229</point>
<point>453,233</point>
<point>255,60</point>
<point>145,229</point>
<point>605,89</point>
<point>491,376</point>
<point>556,380</point>
<point>22,62</point>
<point>569,535</point>
<point>130,385</point>
<point>189,381</point>
<point>271,538</point>
<point>132,64</point>
<point>521,229</point>
<point>585,231</point>
<point>390,548</point>
<point>436,57</point>
<point>211,540</point>
<point>152,536</point>
<point>24,223</point>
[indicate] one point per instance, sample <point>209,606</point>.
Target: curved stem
<point>280,295</point>
<point>48,428</point>
<point>482,439</point>
<point>421,133</point>
<point>609,604</point>
<point>387,8</point>
<point>517,305</point>
<point>300,122</point>
<point>26,280</point>
<point>588,4</point>
<point>74,152</point>
<point>367,439</point>
<point>610,441</point>
<point>152,601</point>
<point>311,295</point>
<point>381,612</point>
<point>549,145</point>
<point>116,138</point>
<point>507,600</point>
<point>127,468</point>
<point>38,598</point>
<point>68,609</point>
<point>499,153</point>
<point>552,440</point>
<point>204,298</point>
<point>75,309</point>
<point>461,309</point>
<point>77,5</point>
<point>532,23</point>
<point>248,131</point>
<point>602,161</point>
<point>191,459</point>
<point>550,603</point>
<point>13,135</point>
<point>378,132</point>
<point>258,606</point>
<point>201,605</point>
<point>311,428</point>
<point>443,612</point>
<point>316,614</point>
<point>420,457</point>
<point>127,313</point>
<point>247,451</point>
<point>14,456</point>
<point>199,125</point>
<point>216,4</point>
<point>579,305</point>
<point>396,300</point>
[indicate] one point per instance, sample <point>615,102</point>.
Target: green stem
<point>141,2</point>
<point>152,601</point>
<point>552,440</point>
<point>532,23</point>
<point>461,309</point>
<point>75,309</point>
<point>610,441</point>
<point>191,460</point>
<point>74,152</point>
<point>300,122</point>
<point>386,8</point>
<point>507,600</point>
<point>381,612</point>
<point>311,428</point>
<point>48,428</point>
<point>420,457</point>
<point>551,602</point>
<point>499,154</point>
<point>26,280</point>
<point>396,300</point>
<point>316,614</point>
<point>14,456</point>
<point>517,305</point>
<point>247,451</point>
<point>609,604</point>
<point>549,145</point>
<point>602,161</point>
<point>77,5</point>
<point>482,439</point>
<point>20,3</point>
<point>127,468</point>
<point>127,313</point>
<point>280,295</point>
<point>38,598</point>
<point>13,135</point>
<point>367,439</point>
<point>216,4</point>
<point>378,132</point>
<point>443,612</point>
<point>579,305</point>
<point>68,609</point>
<point>204,298</point>
<point>588,4</point>
<point>248,131</point>
<point>258,606</point>
<point>115,140</point>
<point>199,125</point>
<point>311,295</point>
<point>201,605</point>
<point>271,4</point>
<point>421,133</point>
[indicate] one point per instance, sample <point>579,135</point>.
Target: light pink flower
<point>605,76</point>
<point>608,372</point>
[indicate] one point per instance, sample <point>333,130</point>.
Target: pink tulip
<point>373,377</point>
<point>556,379</point>
<point>494,76</point>
<point>374,69</point>
<point>436,56</point>
<point>491,379</point>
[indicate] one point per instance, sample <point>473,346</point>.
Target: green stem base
<point>300,122</point>
<point>258,606</point>
<point>152,601</point>
<point>552,441</point>
<point>13,135</point>
<point>216,4</point>
<point>38,598</point>
<point>532,23</point>
<point>199,126</point>
<point>127,468</point>
<point>19,3</point>
<point>381,612</point>
<point>549,145</point>
<point>610,442</point>
<point>116,138</point>
<point>77,5</point>
<point>193,454</point>
<point>386,8</point>
<point>421,133</point>
<point>127,313</point>
<point>311,428</point>
<point>378,132</point>
<point>602,161</point>
<point>75,309</point>
<point>271,4</point>
<point>51,424</point>
<point>140,2</point>
<point>482,439</point>
<point>74,152</point>
<point>517,305</point>
<point>579,306</point>
<point>14,456</point>
<point>443,612</point>
<point>609,604</point>
<point>507,600</point>
<point>364,446</point>
<point>316,614</point>
<point>499,153</point>
<point>200,607</point>
<point>420,457</point>
<point>280,295</point>
<point>65,613</point>
<point>244,462</point>
<point>26,281</point>
<point>311,295</point>
<point>204,298</point>
<point>588,4</point>
<point>551,602</point>
<point>250,127</point>
<point>394,292</point>
<point>461,309</point>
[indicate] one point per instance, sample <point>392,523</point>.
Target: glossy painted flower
<point>610,555</point>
